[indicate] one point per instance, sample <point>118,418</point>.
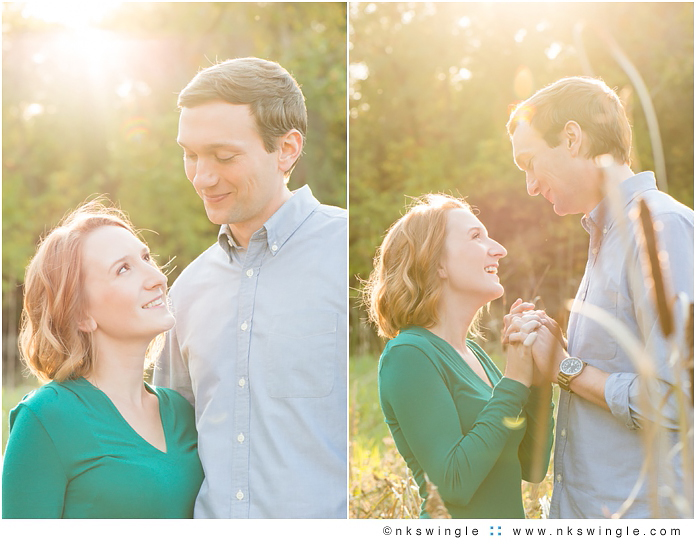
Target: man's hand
<point>520,309</point>
<point>534,328</point>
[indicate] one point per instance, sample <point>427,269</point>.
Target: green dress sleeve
<point>416,393</point>
<point>535,449</point>
<point>33,479</point>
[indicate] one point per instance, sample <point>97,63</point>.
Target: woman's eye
<point>123,269</point>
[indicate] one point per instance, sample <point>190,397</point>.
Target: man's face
<point>225,160</point>
<point>556,173</point>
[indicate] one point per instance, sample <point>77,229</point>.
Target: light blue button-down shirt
<point>599,454</point>
<point>260,349</point>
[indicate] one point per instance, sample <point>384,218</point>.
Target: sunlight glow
<point>71,14</point>
<point>359,71</point>
<point>464,22</point>
<point>459,75</point>
<point>32,110</point>
<point>553,50</point>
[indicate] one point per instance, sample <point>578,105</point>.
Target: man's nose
<point>203,175</point>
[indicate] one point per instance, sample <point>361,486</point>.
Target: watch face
<point>571,366</point>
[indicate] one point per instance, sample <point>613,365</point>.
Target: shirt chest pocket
<point>301,354</point>
<point>593,340</point>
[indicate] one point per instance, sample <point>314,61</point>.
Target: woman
<point>96,441</point>
<point>457,422</point>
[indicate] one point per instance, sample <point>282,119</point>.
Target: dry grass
<point>381,486</point>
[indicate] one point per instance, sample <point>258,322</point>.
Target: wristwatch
<point>570,367</point>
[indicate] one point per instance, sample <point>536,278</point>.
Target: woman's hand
<point>520,362</point>
<point>525,309</point>
<point>547,351</point>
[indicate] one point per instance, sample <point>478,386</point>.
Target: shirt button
<point>240,438</point>
<point>604,231</point>
<point>559,477</point>
<point>250,272</point>
<point>274,248</point>
<point>595,251</point>
<point>245,326</point>
<point>240,495</point>
<point>242,382</point>
<point>563,432</point>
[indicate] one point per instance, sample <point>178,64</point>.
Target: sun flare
<point>75,15</point>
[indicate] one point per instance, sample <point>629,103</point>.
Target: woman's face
<point>469,263</point>
<point>125,292</point>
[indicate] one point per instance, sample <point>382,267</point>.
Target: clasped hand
<point>535,344</point>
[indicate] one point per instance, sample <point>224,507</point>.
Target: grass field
<point>381,485</point>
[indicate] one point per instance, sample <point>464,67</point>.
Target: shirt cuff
<point>618,391</point>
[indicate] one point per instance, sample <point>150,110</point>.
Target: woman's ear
<point>290,148</point>
<point>442,273</point>
<point>87,324</point>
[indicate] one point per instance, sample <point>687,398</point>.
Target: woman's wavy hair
<point>404,286</point>
<point>50,342</point>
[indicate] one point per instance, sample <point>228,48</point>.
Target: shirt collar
<point>602,216</point>
<point>279,227</point>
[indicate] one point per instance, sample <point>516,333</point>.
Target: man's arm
<point>619,392</point>
<point>623,391</point>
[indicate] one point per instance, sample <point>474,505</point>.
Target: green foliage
<point>94,112</point>
<point>430,90</point>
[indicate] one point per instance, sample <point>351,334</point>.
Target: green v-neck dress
<point>473,441</point>
<point>71,454</point>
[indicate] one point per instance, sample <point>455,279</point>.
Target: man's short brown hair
<point>587,101</point>
<point>273,95</point>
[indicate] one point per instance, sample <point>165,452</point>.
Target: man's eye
<point>225,160</point>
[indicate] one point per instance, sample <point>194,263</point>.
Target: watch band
<point>564,381</point>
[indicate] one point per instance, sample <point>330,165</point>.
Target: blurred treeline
<point>90,111</point>
<point>430,90</point>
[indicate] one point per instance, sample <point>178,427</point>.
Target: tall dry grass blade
<point>689,358</point>
<point>655,265</point>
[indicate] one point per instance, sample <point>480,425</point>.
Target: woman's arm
<point>417,395</point>
<point>33,478</point>
<point>535,449</point>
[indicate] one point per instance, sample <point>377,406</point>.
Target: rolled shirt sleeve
<point>622,391</point>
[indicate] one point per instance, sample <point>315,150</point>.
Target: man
<point>260,342</point>
<point>572,139</point>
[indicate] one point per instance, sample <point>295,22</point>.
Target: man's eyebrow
<point>211,146</point>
